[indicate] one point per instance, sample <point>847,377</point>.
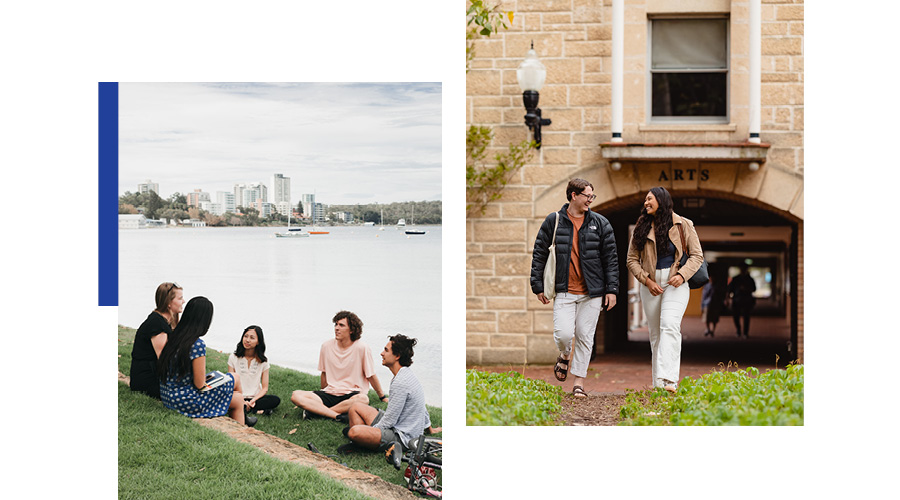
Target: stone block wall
<point>573,38</point>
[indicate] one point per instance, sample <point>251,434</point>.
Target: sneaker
<point>343,418</point>
<point>346,448</point>
<point>346,431</point>
<point>304,415</point>
<point>250,420</point>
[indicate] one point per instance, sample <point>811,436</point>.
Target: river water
<point>292,287</point>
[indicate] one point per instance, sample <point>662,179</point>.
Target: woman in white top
<point>250,363</point>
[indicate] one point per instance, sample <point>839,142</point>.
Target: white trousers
<point>664,313</point>
<point>574,321</point>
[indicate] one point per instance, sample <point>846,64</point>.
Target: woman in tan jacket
<point>653,258</point>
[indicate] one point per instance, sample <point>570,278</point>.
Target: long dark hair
<point>175,357</point>
<point>260,347</point>
<point>662,222</point>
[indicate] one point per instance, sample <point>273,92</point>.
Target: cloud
<point>325,137</point>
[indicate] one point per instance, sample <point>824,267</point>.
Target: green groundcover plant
<point>509,399</point>
<point>728,396</point>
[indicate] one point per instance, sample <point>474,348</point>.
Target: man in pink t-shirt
<point>347,370</point>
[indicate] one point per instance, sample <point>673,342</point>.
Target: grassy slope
<point>143,412</point>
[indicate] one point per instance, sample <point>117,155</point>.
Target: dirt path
<point>595,409</point>
<point>368,484</point>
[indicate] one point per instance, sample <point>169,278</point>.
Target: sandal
<point>560,373</point>
<point>670,386</point>
<point>578,392</point>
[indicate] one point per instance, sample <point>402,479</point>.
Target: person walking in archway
<point>586,279</point>
<point>740,293</point>
<point>654,258</point>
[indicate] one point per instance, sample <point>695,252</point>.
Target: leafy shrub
<point>509,399</point>
<point>723,397</point>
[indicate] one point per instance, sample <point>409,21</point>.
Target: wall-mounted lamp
<point>616,166</point>
<point>531,75</point>
<point>753,166</point>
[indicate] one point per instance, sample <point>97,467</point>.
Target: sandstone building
<point>703,97</point>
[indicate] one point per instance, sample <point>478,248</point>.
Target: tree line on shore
<point>176,207</point>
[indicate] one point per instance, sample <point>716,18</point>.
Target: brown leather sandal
<point>578,392</point>
<point>560,373</point>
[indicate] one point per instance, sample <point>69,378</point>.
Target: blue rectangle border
<point>108,206</point>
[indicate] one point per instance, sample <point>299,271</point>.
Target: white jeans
<point>664,313</point>
<point>575,317</point>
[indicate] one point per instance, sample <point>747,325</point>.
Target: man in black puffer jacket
<point>587,277</point>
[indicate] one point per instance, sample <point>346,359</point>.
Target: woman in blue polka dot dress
<point>182,369</point>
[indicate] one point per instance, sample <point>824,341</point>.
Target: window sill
<point>688,127</point>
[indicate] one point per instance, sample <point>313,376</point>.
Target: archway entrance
<point>732,230</point>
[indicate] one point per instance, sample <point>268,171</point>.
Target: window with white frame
<point>689,70</point>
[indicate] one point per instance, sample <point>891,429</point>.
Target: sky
<point>348,143</point>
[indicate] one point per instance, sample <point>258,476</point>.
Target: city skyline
<point>211,136</point>
<point>296,197</point>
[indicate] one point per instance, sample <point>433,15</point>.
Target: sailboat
<point>382,220</point>
<point>413,223</point>
<point>295,232</point>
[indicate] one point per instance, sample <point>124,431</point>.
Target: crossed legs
<point>361,432</point>
<point>311,402</point>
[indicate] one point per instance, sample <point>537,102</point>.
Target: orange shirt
<point>577,285</point>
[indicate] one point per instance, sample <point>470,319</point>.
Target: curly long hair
<point>260,350</point>
<point>174,360</point>
<point>353,321</point>
<point>662,222</point>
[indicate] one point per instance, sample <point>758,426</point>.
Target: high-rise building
<point>309,201</point>
<point>226,199</point>
<point>281,189</point>
<point>318,213</point>
<point>148,186</point>
<point>194,199</point>
<point>246,195</point>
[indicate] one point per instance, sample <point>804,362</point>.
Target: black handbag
<point>701,277</point>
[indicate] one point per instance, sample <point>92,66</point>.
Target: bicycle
<point>424,457</point>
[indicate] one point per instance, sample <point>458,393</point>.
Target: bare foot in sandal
<point>578,392</point>
<point>561,370</point>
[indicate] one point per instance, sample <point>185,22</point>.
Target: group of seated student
<point>169,363</point>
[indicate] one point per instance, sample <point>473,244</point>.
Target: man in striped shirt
<point>406,417</point>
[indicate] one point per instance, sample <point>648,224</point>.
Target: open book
<point>214,379</point>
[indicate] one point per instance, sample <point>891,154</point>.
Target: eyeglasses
<point>172,286</point>
<point>589,197</point>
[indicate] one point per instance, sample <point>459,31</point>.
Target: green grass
<point>164,455</point>
<point>140,417</point>
<point>509,399</point>
<point>723,397</point>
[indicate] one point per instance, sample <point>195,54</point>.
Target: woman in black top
<point>151,337</point>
